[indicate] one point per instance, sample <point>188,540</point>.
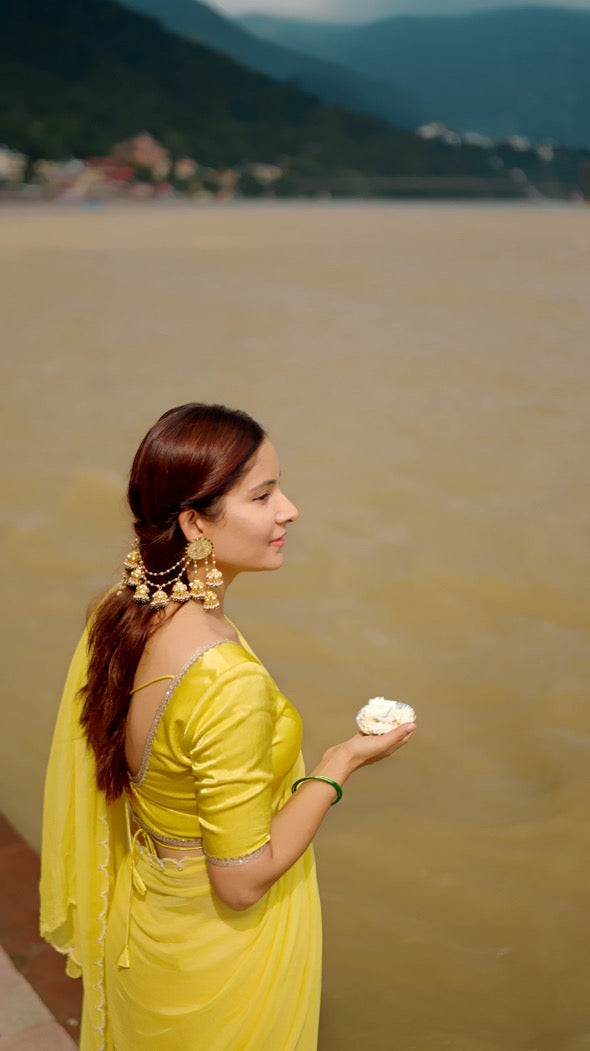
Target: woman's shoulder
<point>206,659</point>
<point>178,643</point>
<point>221,663</point>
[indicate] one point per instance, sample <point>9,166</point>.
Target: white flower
<point>379,716</point>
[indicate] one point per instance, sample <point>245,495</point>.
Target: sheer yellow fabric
<point>84,842</point>
<point>182,971</point>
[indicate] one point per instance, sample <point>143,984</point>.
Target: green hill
<point>77,76</point>
<point>331,83</point>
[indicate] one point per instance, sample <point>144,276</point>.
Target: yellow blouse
<point>223,740</point>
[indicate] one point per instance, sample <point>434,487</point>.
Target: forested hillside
<point>78,75</point>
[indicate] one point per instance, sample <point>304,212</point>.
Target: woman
<point>178,874</point>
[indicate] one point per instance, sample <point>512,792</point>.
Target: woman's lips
<point>279,542</point>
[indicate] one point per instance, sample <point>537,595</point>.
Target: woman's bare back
<point>183,632</point>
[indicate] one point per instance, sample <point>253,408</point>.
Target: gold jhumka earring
<point>137,577</point>
<point>196,550</point>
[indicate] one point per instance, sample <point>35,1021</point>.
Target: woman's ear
<point>189,523</point>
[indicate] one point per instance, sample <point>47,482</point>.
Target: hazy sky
<point>364,10</point>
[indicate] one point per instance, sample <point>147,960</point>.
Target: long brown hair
<point>190,458</point>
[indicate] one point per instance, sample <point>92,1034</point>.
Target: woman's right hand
<point>362,750</point>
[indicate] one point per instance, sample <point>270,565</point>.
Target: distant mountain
<point>516,71</point>
<point>78,75</point>
<point>359,92</point>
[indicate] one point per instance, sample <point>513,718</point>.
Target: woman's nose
<point>288,512</point>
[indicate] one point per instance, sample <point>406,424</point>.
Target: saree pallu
<point>84,842</point>
<point>202,976</point>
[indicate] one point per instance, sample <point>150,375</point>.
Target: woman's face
<point>250,533</point>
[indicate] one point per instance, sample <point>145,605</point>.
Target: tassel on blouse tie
<point>135,884</point>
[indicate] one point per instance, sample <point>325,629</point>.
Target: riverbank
<point>40,1006</point>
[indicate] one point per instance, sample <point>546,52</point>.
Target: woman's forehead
<point>264,467</point>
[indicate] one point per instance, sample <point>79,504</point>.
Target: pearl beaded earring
<point>137,577</point>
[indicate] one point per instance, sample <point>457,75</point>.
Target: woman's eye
<point>264,496</point>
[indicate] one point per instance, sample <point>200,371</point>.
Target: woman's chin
<point>274,562</point>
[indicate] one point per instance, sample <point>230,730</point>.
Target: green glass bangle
<point>316,777</point>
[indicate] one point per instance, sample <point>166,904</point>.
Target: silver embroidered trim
<point>242,860</point>
<point>101,1005</point>
<point>168,841</point>
<point>149,741</point>
<point>154,860</point>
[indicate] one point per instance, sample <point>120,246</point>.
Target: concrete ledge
<point>40,1007</point>
<point>25,1022</point>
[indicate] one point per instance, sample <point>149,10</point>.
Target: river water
<point>423,371</point>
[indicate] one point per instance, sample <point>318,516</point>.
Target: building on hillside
<point>110,170</point>
<point>265,174</point>
<point>226,182</point>
<point>143,151</point>
<point>185,168</point>
<point>518,143</point>
<point>95,177</point>
<point>475,138</point>
<point>438,131</point>
<point>12,165</point>
<point>58,177</point>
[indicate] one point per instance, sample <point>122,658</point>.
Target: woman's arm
<point>295,825</point>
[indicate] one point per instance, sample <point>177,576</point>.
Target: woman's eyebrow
<point>264,485</point>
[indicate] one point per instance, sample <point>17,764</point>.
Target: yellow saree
<point>166,965</point>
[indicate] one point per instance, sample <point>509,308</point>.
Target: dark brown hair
<point>190,458</point>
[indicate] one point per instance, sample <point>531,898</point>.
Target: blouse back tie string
<point>135,884</point>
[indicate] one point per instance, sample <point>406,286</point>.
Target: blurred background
<point>422,367</point>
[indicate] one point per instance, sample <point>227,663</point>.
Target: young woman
<point>177,868</point>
